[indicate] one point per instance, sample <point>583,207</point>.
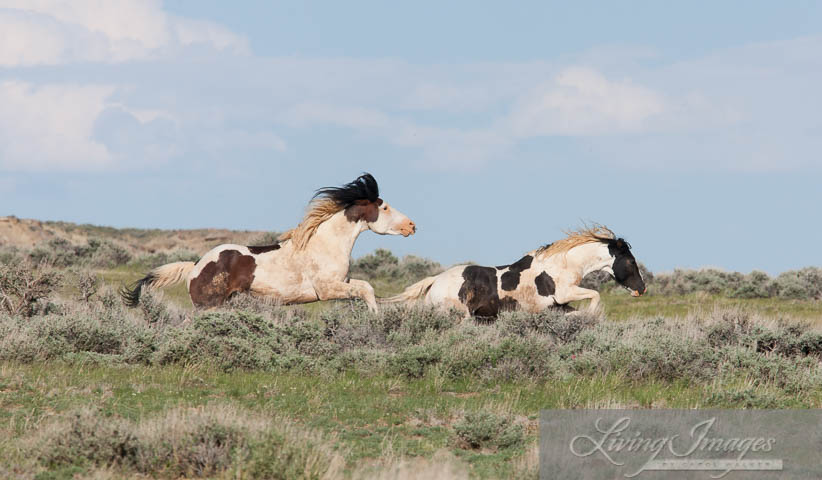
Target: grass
<point>407,394</point>
<point>416,417</point>
<point>620,305</point>
<point>374,420</point>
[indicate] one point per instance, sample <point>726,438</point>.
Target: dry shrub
<point>23,285</point>
<point>87,284</point>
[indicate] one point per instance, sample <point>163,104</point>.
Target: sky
<point>691,129</point>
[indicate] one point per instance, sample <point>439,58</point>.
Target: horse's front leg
<point>573,293</point>
<point>333,289</point>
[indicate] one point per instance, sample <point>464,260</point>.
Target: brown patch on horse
<point>232,272</point>
<point>363,210</point>
<point>256,250</point>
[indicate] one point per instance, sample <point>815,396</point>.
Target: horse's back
<point>485,291</point>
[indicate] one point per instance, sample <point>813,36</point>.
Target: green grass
<point>365,413</point>
<point>619,305</point>
<point>378,418</point>
<point>414,416</point>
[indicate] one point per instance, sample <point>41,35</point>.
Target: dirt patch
<point>26,233</point>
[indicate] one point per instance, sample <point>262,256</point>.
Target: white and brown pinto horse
<point>307,264</point>
<point>548,276</point>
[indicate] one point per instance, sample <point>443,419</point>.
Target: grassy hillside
<point>90,389</point>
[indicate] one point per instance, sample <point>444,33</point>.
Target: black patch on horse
<point>256,250</point>
<point>479,291</point>
<point>508,304</point>
<point>545,285</point>
<point>510,279</point>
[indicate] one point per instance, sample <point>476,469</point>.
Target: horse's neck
<point>335,237</point>
<point>590,257</point>
<point>580,260</point>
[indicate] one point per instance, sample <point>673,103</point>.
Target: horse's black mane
<point>363,188</point>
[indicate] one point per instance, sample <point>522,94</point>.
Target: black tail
<point>131,297</point>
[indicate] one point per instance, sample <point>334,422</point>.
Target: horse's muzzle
<point>408,228</point>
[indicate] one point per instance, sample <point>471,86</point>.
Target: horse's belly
<point>283,292</point>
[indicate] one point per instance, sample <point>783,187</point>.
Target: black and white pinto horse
<point>546,277</point>
<point>307,264</point>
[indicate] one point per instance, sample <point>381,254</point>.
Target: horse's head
<point>391,221</point>
<point>362,203</point>
<point>624,267</point>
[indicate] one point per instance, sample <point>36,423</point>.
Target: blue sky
<point>693,130</point>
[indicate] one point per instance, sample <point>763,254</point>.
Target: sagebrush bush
<point>265,238</point>
<point>383,267</point>
<point>188,442</point>
<point>153,260</point>
<point>804,284</point>
<point>10,254</point>
<point>414,341</point>
<point>483,429</point>
<point>96,252</point>
<point>89,438</point>
<point>555,322</point>
<point>80,329</point>
<point>155,310</point>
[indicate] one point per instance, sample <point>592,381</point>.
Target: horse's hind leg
<point>331,289</point>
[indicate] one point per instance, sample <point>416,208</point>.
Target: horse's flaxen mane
<point>319,210</point>
<point>327,202</point>
<point>575,238</point>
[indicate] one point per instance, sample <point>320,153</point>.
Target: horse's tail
<point>414,292</point>
<point>162,276</point>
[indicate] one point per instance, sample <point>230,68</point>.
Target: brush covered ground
<point>90,389</point>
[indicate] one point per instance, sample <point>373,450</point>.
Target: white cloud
<point>81,126</point>
<point>51,127</point>
<point>442,147</point>
<point>582,101</point>
<point>748,108</point>
<point>577,101</point>
<point>49,32</point>
<point>449,97</point>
